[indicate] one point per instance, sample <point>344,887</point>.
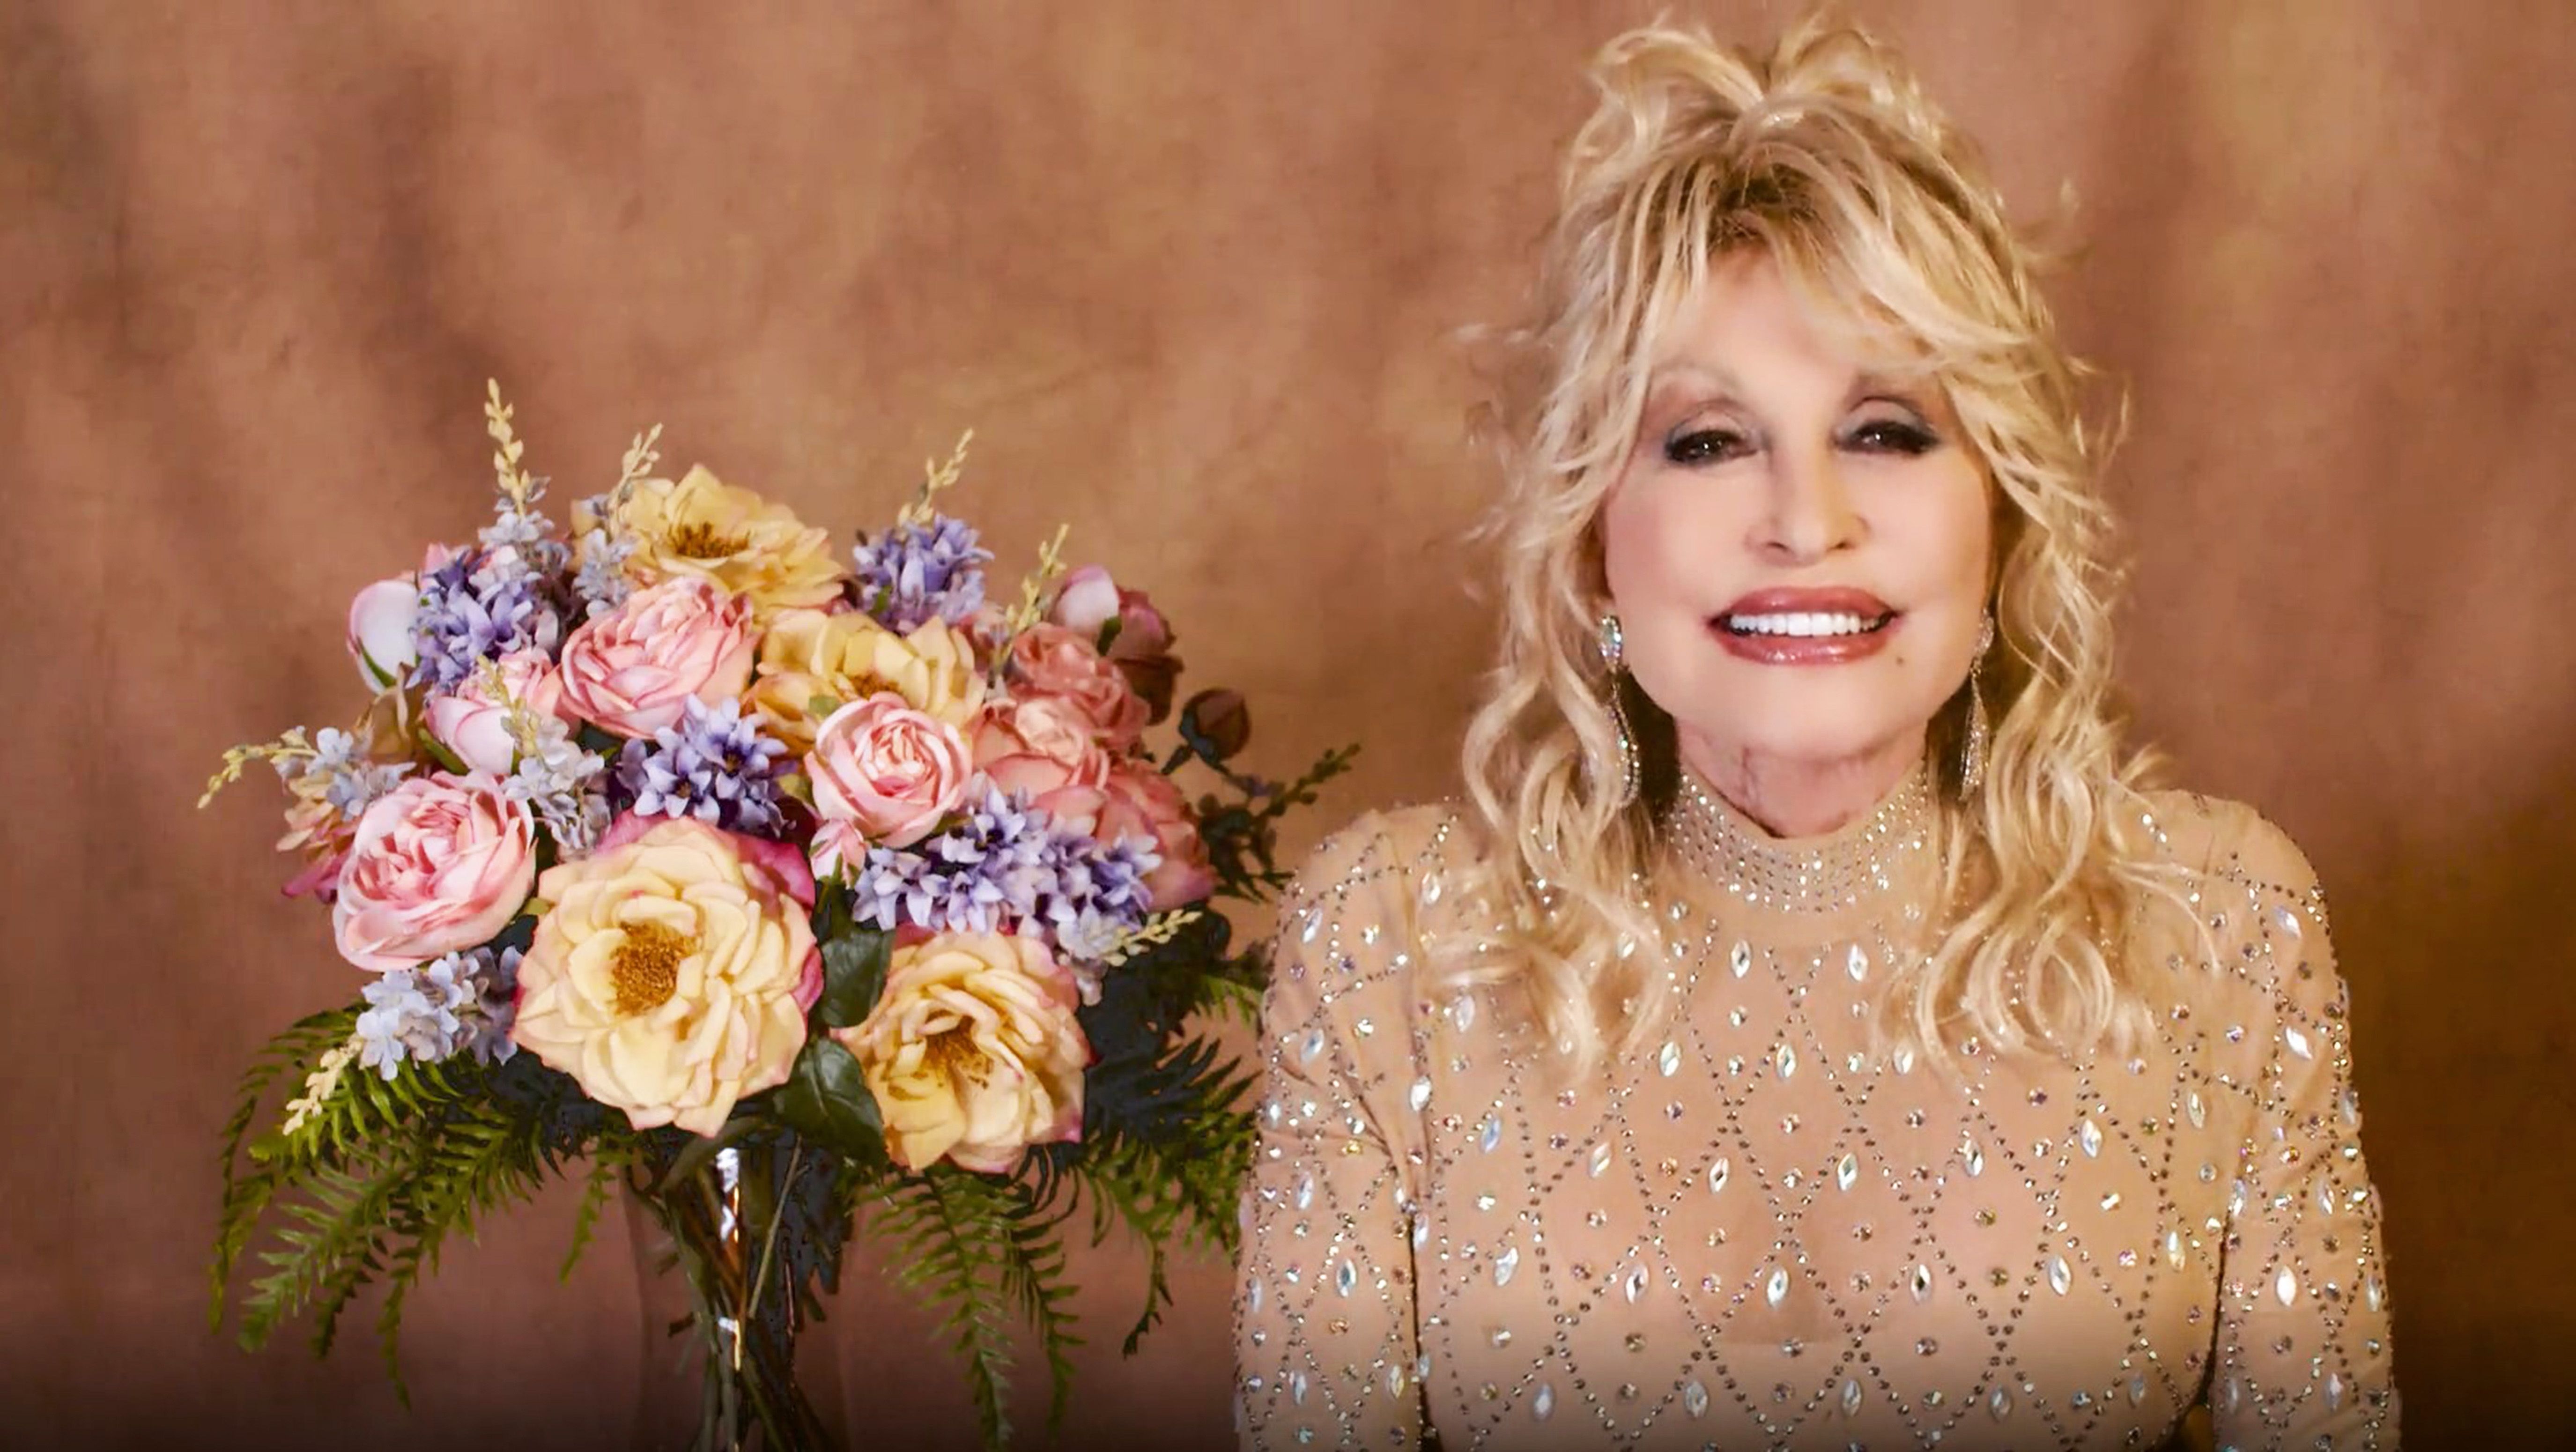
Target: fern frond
<point>246,1197</point>
<point>364,1107</point>
<point>606,1165</point>
<point>982,1247</point>
<point>472,1163</point>
<point>941,1234</point>
<point>331,1247</point>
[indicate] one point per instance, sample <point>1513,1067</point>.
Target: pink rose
<point>1140,646</point>
<point>475,724</point>
<point>883,773</point>
<point>1053,661</point>
<point>1142,802</point>
<point>1086,601</point>
<point>380,623</point>
<point>628,671</point>
<point>440,864</point>
<point>1046,748</point>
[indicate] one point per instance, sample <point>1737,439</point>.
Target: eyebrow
<point>1715,376</point>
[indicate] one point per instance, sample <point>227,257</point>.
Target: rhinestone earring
<point>1614,654</point>
<point>1972,757</point>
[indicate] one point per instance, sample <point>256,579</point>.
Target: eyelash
<point>1879,436</point>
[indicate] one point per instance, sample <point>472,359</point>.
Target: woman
<point>1808,1032</point>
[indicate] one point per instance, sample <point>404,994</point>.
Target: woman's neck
<point>1791,799</point>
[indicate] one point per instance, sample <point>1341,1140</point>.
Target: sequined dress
<point>1764,1232</point>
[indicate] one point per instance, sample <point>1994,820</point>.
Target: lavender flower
<point>914,572</point>
<point>496,1004</point>
<point>600,584</point>
<point>347,779</point>
<point>559,782</point>
<point>713,764</point>
<point>479,606</point>
<point>461,1002</point>
<point>1008,865</point>
<point>519,540</point>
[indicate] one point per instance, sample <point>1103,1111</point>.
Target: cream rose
<point>671,974</point>
<point>1053,661</point>
<point>439,864</point>
<point>628,671</point>
<point>882,773</point>
<point>702,528</point>
<point>475,724</point>
<point>973,1052</point>
<point>839,658</point>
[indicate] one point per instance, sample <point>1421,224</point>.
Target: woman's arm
<point>1325,1341</point>
<point>2303,1354</point>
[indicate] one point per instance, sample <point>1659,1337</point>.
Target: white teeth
<point>1800,623</point>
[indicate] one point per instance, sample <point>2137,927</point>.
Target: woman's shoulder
<point>2223,838</point>
<point>1421,841</point>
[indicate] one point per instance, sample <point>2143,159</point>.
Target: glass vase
<point>722,1322</point>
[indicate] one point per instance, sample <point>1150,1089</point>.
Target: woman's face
<point>1798,547</point>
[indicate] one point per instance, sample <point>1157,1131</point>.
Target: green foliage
<point>370,1186</point>
<point>983,1247</point>
<point>605,1170</point>
<point>245,1198</point>
<point>1242,836</point>
<point>854,965</point>
<point>826,1098</point>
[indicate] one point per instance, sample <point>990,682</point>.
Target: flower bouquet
<point>799,899</point>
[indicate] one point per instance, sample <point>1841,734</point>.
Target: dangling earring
<point>1972,758</point>
<point>1614,651</point>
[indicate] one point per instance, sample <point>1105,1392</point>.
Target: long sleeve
<point>1326,1344</point>
<point>2303,1351</point>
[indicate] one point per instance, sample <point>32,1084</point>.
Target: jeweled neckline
<point>1857,863</point>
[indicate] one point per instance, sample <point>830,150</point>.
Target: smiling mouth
<point>1805,624</point>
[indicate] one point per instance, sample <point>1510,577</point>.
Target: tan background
<point>1190,269</point>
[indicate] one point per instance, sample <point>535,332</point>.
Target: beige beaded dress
<point>1767,1233</point>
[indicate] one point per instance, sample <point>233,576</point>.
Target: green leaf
<point>827,1100</point>
<point>854,972</point>
<point>439,753</point>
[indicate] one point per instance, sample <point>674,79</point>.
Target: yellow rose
<point>849,657</point>
<point>672,973</point>
<point>973,1052</point>
<point>745,544</point>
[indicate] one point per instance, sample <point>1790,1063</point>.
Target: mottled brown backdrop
<point>1192,269</point>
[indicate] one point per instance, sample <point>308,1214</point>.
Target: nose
<point>1810,514</point>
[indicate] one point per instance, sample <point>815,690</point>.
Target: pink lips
<point>1807,649</point>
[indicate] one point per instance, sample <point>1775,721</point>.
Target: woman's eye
<point>1893,436</point>
<point>1703,446</point>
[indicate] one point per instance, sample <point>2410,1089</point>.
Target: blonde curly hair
<point>1825,155</point>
